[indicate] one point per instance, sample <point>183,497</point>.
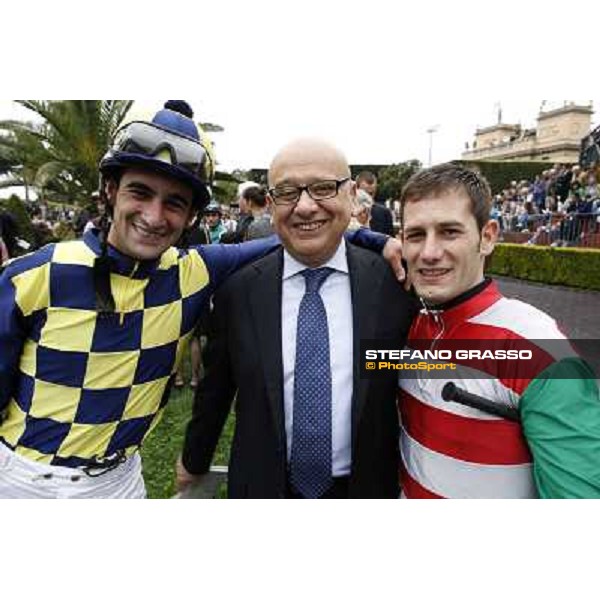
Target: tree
<point>225,186</point>
<point>59,155</point>
<point>391,179</point>
<point>16,208</point>
<point>224,191</point>
<point>211,127</point>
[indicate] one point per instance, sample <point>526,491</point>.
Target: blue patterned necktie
<point>310,470</point>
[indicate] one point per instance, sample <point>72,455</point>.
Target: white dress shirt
<point>335,293</point>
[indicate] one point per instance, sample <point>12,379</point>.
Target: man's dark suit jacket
<point>381,219</point>
<point>244,354</point>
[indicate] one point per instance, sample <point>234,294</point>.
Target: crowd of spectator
<point>562,205</point>
<point>47,223</point>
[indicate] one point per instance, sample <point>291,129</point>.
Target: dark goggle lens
<point>145,138</point>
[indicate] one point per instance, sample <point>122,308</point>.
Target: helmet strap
<point>105,302</point>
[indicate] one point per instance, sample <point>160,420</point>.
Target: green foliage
<point>258,175</point>
<point>391,179</point>
<point>5,165</point>
<point>501,174</point>
<point>164,444</point>
<point>60,155</point>
<point>211,127</point>
<point>576,267</point>
<point>356,169</point>
<point>236,176</point>
<point>226,184</point>
<point>225,191</point>
<point>15,206</point>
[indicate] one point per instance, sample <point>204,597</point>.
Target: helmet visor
<point>156,142</point>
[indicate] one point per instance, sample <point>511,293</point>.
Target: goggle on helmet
<point>170,144</point>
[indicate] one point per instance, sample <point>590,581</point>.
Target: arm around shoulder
<point>224,259</point>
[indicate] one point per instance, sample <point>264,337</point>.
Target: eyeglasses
<point>150,139</point>
<point>319,190</point>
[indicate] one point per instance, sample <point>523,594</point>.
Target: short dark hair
<point>257,195</point>
<point>449,177</point>
<point>366,176</point>
<point>114,174</point>
<point>9,231</point>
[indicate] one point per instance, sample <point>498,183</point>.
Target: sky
<point>368,131</point>
<point>372,78</point>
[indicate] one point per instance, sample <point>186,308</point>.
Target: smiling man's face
<point>310,230</point>
<point>443,247</point>
<point>150,212</point>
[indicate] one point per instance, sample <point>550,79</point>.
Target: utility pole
<point>431,131</point>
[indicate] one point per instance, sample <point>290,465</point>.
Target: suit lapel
<point>265,309</point>
<point>365,289</point>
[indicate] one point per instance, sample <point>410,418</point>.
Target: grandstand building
<point>556,139</point>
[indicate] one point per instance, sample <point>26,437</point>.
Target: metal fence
<point>553,229</point>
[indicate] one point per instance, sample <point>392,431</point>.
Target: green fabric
<point>560,411</point>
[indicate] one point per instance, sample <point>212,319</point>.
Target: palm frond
<point>11,182</point>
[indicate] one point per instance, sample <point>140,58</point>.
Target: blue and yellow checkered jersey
<point>76,385</point>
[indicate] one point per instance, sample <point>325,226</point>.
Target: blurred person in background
<point>256,198</point>
<point>212,217</point>
<point>382,220</point>
<point>244,216</point>
<point>228,222</point>
<point>9,232</point>
<point>361,213</point>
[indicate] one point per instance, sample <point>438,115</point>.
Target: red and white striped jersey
<point>450,450</point>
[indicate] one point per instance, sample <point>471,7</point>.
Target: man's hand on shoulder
<point>392,252</point>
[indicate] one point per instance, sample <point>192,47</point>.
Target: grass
<point>163,445</point>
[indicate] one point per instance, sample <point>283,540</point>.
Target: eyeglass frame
<point>306,188</point>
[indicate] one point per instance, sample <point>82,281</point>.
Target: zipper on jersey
<point>438,319</point>
<point>123,295</point>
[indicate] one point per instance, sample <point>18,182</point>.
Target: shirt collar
<point>120,263</point>
<point>338,262</point>
<point>470,303</point>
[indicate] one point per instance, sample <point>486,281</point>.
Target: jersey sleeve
<point>224,259</point>
<point>560,412</point>
<point>12,336</point>
<point>365,238</point>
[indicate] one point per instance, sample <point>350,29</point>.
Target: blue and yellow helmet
<point>171,144</point>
